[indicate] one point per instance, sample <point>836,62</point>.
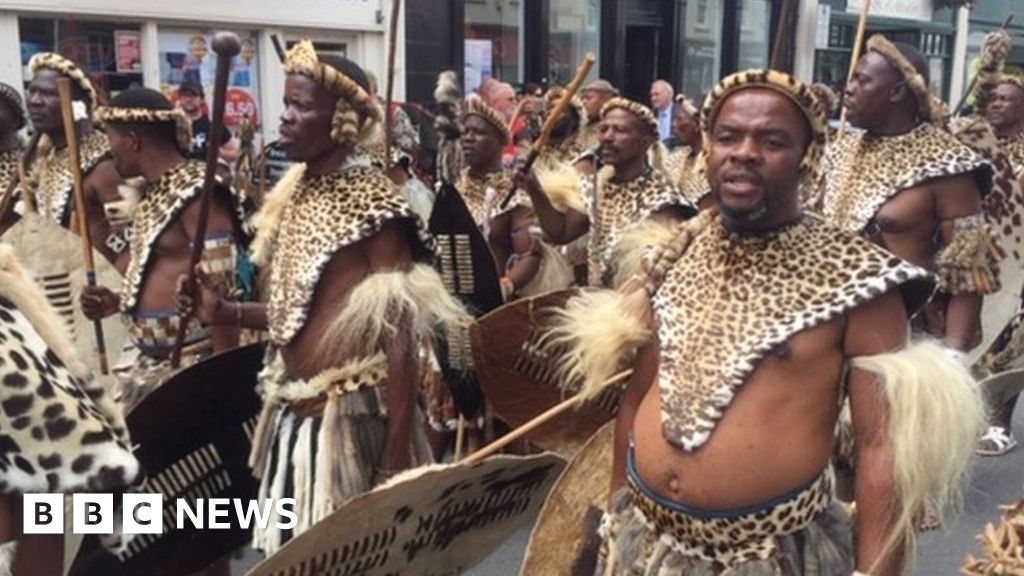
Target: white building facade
<point>124,43</point>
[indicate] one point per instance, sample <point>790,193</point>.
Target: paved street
<point>996,481</point>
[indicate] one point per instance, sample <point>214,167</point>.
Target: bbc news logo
<point>144,513</point>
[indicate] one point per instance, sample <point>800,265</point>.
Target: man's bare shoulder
<point>102,181</point>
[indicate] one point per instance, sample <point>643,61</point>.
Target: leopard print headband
<point>475,106</point>
<point>182,125</point>
<point>801,94</point>
<point>64,67</point>
<point>635,108</point>
<point>10,96</point>
<point>687,105</point>
<point>929,106</point>
<point>1013,80</point>
<point>357,115</point>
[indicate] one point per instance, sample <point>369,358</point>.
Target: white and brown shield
<point>564,540</point>
<point>54,256</point>
<point>438,520</point>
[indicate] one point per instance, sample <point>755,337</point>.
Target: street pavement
<point>995,481</point>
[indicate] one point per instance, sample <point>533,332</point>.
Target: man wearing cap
<point>351,296</point>
<point>50,175</point>
<point>593,96</point>
<point>149,139</point>
<point>908,185</point>
<point>191,100</point>
<point>12,119</point>
<point>743,336</point>
<point>627,192</point>
<point>1006,114</point>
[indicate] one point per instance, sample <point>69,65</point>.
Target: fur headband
<point>554,94</point>
<point>64,67</point>
<point>182,125</point>
<point>635,108</point>
<point>929,107</point>
<point>11,97</point>
<point>801,94</point>
<point>1013,80</point>
<point>357,115</point>
<point>475,106</point>
<point>687,105</point>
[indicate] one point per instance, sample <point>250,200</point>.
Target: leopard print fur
<point>613,207</point>
<point>684,169</point>
<point>54,434</point>
<point>325,214</point>
<point>863,172</point>
<point>53,179</point>
<point>8,169</point>
<point>730,541</point>
<point>1014,148</point>
<point>162,202</point>
<point>474,194</point>
<point>756,292</point>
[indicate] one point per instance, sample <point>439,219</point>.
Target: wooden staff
<point>81,211</point>
<point>390,89</point>
<point>854,56</point>
<point>542,419</point>
<point>782,34</point>
<point>225,45</point>
<point>278,47</point>
<point>552,119</point>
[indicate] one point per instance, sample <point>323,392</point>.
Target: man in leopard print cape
<point>59,429</point>
<point>907,184</point>
<point>745,330</point>
<point>627,203</point>
<point>684,166</point>
<point>149,140</point>
<point>352,294</point>
<point>50,176</point>
<point>1006,114</point>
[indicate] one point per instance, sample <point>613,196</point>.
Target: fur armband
<point>969,264</point>
<point>936,414</point>
<point>384,302</point>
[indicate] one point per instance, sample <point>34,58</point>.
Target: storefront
<point>914,22</point>
<point>124,43</point>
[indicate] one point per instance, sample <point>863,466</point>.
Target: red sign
<point>127,51</point>
<point>239,103</point>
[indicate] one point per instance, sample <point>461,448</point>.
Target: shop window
<point>493,42</point>
<point>185,54</point>
<point>701,23</point>
<point>755,34</point>
<point>575,30</point>
<point>110,53</point>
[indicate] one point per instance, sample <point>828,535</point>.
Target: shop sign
<point>908,9</point>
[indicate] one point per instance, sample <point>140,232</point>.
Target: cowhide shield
<point>520,378</point>
<point>469,273</point>
<point>564,540</point>
<point>1004,212</point>
<point>193,434</point>
<point>434,521</point>
<point>55,258</point>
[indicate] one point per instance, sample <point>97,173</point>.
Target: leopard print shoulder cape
<point>863,172</point>
<point>1014,148</point>
<point>51,173</point>
<point>161,204</point>
<point>731,299</point>
<point>685,170</point>
<point>320,216</point>
<point>474,192</point>
<point>59,431</point>
<point>8,170</point>
<point>615,206</point>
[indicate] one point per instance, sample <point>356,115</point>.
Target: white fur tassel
<point>599,330</point>
<point>268,219</point>
<point>936,415</point>
<point>7,552</point>
<point>562,186</point>
<point>630,251</point>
